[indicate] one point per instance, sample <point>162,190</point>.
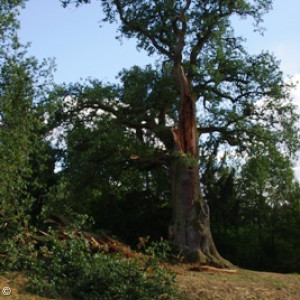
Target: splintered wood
<point>101,242</point>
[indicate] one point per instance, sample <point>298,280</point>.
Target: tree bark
<point>190,227</point>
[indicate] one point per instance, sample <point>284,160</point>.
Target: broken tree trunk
<point>190,227</point>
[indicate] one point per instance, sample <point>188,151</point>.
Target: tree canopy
<point>209,132</point>
<point>222,98</point>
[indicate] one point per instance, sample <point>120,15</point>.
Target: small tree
<point>23,82</point>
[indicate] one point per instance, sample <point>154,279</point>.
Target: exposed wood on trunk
<point>187,128</point>
<point>190,227</point>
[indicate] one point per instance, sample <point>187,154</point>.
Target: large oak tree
<point>218,87</point>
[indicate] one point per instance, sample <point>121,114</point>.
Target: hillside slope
<point>243,285</point>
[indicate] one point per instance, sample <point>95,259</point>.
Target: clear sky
<point>82,49</point>
<point>73,36</point>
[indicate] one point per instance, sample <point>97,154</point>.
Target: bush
<point>68,268</point>
<point>163,250</point>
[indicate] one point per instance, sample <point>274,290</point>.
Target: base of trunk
<point>191,233</point>
<point>202,248</point>
<point>190,229</point>
<point>214,260</point>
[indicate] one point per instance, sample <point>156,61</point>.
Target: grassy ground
<point>243,285</point>
<point>16,282</point>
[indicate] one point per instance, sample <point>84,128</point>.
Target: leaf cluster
<point>67,268</point>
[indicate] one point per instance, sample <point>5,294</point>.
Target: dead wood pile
<point>101,242</point>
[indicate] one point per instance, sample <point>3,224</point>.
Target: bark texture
<point>190,228</point>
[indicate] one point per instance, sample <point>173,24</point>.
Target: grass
<point>243,285</point>
<point>17,282</point>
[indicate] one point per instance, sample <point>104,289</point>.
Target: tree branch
<point>135,27</point>
<point>163,133</point>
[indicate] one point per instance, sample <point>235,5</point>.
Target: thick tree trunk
<point>190,228</point>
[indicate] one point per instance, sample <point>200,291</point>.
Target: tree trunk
<point>190,227</point>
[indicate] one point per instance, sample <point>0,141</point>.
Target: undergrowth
<point>59,268</point>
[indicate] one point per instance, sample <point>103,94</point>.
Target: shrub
<point>163,250</point>
<point>68,268</point>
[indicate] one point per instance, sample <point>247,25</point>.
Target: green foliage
<point>255,214</point>
<point>23,150</point>
<point>111,170</point>
<point>156,24</point>
<point>244,109</point>
<point>104,182</point>
<point>117,145</point>
<point>67,268</point>
<point>163,250</point>
<point>227,82</point>
<point>26,159</point>
<point>9,10</point>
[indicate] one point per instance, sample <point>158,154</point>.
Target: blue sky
<point>74,37</point>
<point>82,49</point>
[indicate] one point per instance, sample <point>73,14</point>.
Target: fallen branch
<point>205,268</point>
